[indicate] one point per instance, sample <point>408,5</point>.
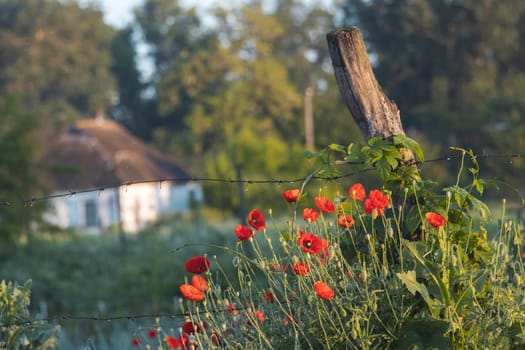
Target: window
<point>91,213</point>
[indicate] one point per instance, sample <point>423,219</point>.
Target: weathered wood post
<point>373,111</point>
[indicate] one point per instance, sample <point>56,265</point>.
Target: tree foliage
<point>453,67</point>
<point>230,95</point>
<point>55,56</point>
<point>18,172</point>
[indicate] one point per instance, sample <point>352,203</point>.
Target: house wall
<point>91,212</point>
<point>142,204</point>
<point>134,206</point>
<point>138,206</point>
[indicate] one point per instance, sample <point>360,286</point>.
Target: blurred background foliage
<point>224,92</point>
<point>225,87</point>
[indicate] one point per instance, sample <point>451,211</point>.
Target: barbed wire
<point>134,317</point>
<point>89,318</point>
<point>66,317</point>
<point>30,201</point>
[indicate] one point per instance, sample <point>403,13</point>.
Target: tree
<point>131,106</point>
<point>301,48</point>
<point>173,34</point>
<point>55,56</point>
<point>250,123</point>
<point>18,172</point>
<point>448,66</point>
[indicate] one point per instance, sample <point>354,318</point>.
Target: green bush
<point>17,329</point>
<point>85,275</point>
<point>404,267</point>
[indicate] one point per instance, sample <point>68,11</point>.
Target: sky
<point>118,13</point>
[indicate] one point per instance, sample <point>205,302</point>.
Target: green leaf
<point>417,250</point>
<point>475,287</point>
<point>383,167</point>
<point>402,140</point>
<point>479,185</point>
<point>328,172</point>
<point>422,334</point>
<point>387,147</point>
<point>409,280</point>
<point>461,196</point>
<point>392,161</point>
<point>413,219</point>
<point>337,148</point>
<point>374,140</point>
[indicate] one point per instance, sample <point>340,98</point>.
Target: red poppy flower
<point>190,327</point>
<point>191,292</point>
<point>257,314</point>
<point>291,195</point>
<point>310,215</point>
<point>310,243</point>
<point>136,342</point>
<point>172,342</point>
<point>197,264</point>
<point>152,333</point>
<point>324,205</point>
<point>243,232</point>
<point>357,192</point>
<point>256,220</point>
<point>269,297</point>
<point>435,220</point>
<point>345,221</point>
<point>232,309</point>
<point>301,268</point>
<point>323,291</point>
<point>376,203</point>
<point>199,282</point>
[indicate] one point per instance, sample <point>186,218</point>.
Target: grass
<point>77,274</point>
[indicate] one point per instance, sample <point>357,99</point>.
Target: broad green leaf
<point>388,147</point>
<point>432,269</point>
<point>409,280</point>
<point>374,140</point>
<point>423,334</point>
<point>383,167</point>
<point>413,219</point>
<point>411,145</point>
<point>392,161</point>
<point>461,195</point>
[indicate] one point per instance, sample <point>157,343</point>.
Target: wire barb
<point>70,193</point>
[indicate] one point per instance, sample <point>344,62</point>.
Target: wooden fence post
<point>373,111</point>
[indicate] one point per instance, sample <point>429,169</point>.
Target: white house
<point>101,154</point>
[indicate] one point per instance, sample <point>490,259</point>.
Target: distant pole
<point>121,234</point>
<point>309,118</point>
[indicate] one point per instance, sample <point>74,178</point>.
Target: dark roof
<point>102,153</point>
